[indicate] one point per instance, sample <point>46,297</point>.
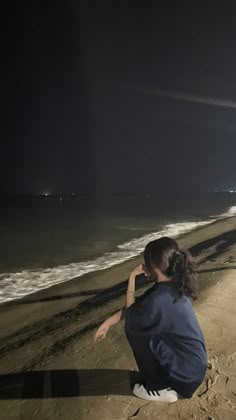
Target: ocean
<point>48,240</point>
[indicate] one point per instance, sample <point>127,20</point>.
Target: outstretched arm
<point>112,320</point>
<point>129,300</point>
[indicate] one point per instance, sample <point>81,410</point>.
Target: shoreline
<point>49,334</point>
<point>180,238</point>
<point>111,280</point>
<point>102,288</point>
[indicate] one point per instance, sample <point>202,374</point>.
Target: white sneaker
<point>165,395</point>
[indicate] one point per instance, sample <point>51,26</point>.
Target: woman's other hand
<point>101,332</point>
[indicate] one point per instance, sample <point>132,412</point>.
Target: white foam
<point>231,211</point>
<point>17,285</point>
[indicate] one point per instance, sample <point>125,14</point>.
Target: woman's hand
<point>101,332</point>
<point>104,327</point>
<point>138,270</point>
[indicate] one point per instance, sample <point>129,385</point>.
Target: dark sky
<point>103,96</point>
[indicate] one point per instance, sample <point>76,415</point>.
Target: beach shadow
<point>67,383</point>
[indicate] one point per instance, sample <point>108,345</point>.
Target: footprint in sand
<point>231,359</point>
<point>212,362</point>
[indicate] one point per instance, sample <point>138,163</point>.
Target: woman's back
<point>175,337</point>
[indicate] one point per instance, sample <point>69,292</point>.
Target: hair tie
<point>178,255</point>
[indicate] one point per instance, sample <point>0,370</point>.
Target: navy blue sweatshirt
<point>176,338</point>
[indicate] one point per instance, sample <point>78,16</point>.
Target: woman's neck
<point>161,277</point>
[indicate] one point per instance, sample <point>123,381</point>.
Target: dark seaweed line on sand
<point>41,328</point>
<point>58,347</point>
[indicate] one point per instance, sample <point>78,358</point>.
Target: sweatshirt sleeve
<point>124,309</point>
<point>123,313</point>
<point>141,318</point>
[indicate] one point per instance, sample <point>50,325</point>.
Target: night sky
<point>104,96</point>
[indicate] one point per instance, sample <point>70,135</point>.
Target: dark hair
<point>164,254</point>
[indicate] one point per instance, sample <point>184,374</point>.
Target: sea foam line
<point>230,212</point>
<point>17,285</point>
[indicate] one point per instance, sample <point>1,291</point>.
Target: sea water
<point>49,240</point>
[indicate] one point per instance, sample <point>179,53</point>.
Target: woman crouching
<point>161,326</point>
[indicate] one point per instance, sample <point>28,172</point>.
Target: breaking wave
<point>17,285</point>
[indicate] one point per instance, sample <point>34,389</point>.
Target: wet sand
<point>52,369</point>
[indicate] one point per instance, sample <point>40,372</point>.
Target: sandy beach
<point>52,369</point>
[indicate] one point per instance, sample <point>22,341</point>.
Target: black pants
<point>153,376</point>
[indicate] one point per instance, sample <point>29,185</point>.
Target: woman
<point>161,327</point>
